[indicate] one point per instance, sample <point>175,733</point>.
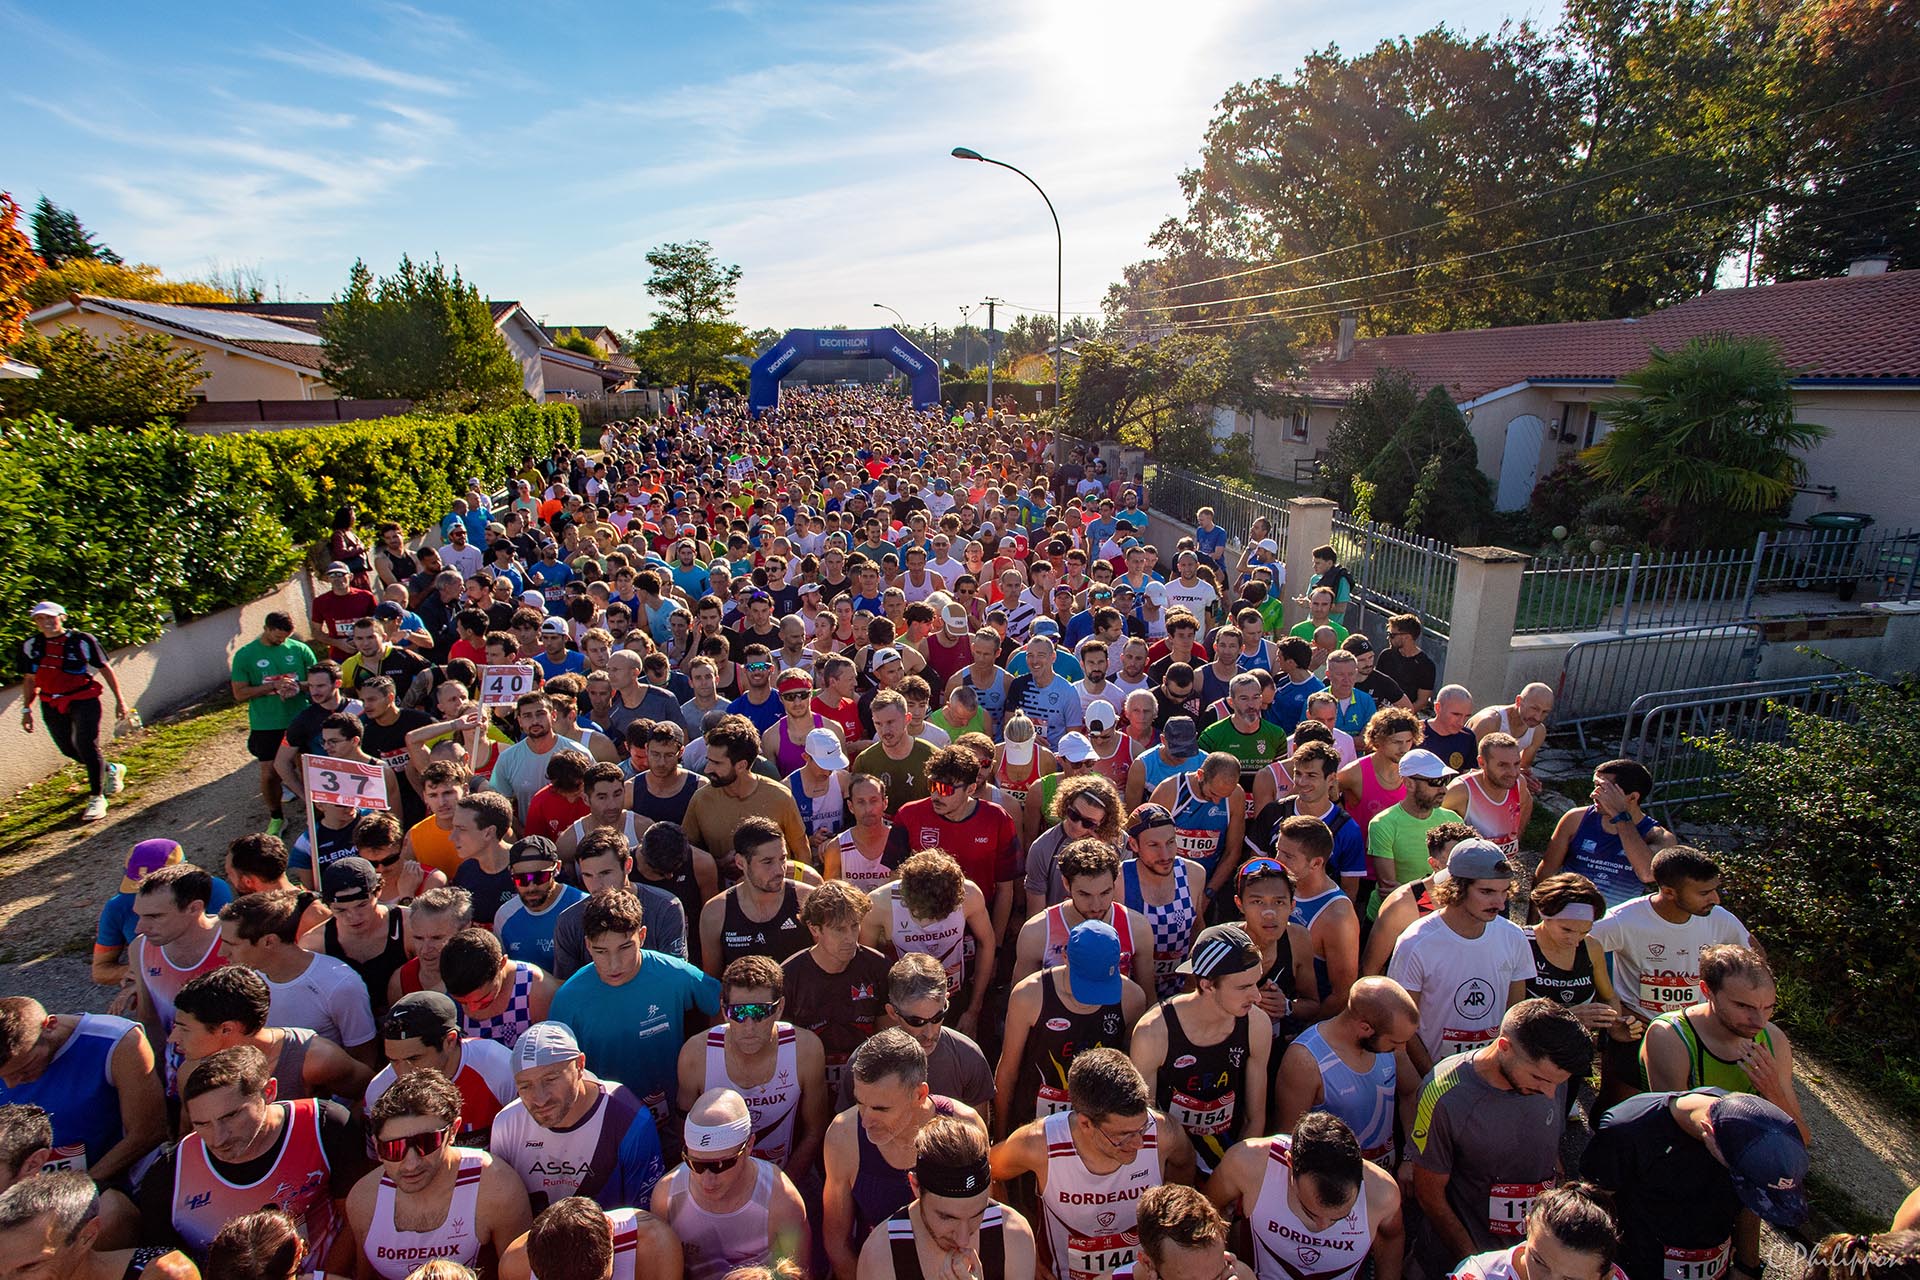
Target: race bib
<point>836,1072</point>
<point>1695,1264</point>
<point>1661,992</point>
<point>1093,1257</point>
<point>68,1158</point>
<point>657,1104</point>
<point>1196,844</point>
<point>1455,1041</point>
<point>1508,1204</point>
<point>1208,1118</point>
<point>1051,1101</point>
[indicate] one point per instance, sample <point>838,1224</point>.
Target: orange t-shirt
<point>433,847</point>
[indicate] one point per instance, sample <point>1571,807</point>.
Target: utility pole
<point>966,338</point>
<point>990,304</point>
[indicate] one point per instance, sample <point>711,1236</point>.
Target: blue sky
<point>544,148</point>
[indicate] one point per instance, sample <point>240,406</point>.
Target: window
<point>1297,426</point>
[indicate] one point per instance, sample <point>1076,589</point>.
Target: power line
<point>1534,195</point>
<point>1524,244</point>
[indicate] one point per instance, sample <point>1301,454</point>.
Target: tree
<point>664,351</point>
<point>1161,395</point>
<point>696,294</point>
<point>1428,479</point>
<point>421,334</point>
<point>1709,430</point>
<point>141,282</point>
<point>19,264</point>
<point>1366,425</point>
<point>131,381</point>
<point>59,237</point>
<point>574,340</point>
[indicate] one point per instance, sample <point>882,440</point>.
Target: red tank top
<point>204,1202</point>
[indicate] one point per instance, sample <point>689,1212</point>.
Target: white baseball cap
<point>1157,592</point>
<point>49,609</point>
<point>1078,748</point>
<point>1102,714</point>
<point>825,750</point>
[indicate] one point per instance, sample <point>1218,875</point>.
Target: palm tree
<point>1709,431</point>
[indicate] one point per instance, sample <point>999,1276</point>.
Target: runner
<point>857,854</point>
<point>1491,798</point>
<point>1093,1161</point>
<point>429,1198</point>
<point>568,1133</point>
<point>1091,870</point>
<point>1166,889</point>
<point>1466,964</point>
<point>178,941</point>
<point>499,998</point>
<point>1355,1066</point>
<point>1374,783</point>
<point>1524,720</point>
<point>261,931</point>
<point>1570,1232</point>
<point>362,933</point>
<point>1057,1014</point>
<point>575,1237</point>
<point>1182,1237</point>
<point>819,788</point>
<point>778,1068</point>
<point>1177,753</point>
<point>1612,841</point>
<point>953,1226</point>
<point>932,908</point>
<point>432,920</point>
<point>718,813</point>
<point>727,1207</point>
<point>1314,767</point>
<point>760,916</point>
<point>119,926</point>
<point>525,923</point>
<point>1084,806</point>
<point>422,1032</point>
<point>269,675</point>
<point>52,1224</point>
<point>230,1006</point>
<point>1447,734</point>
<point>1303,846</point>
<point>93,1076</point>
<point>1313,1205</point>
<point>836,988</point>
<point>1406,664</point>
<point>978,833</point>
<point>1728,1040</point>
<point>1209,809</point>
<point>1204,1053</point>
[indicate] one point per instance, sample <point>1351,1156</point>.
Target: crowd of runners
<point>850,843</point>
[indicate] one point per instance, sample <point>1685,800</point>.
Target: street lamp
<point>1059,278</point>
<point>966,339</point>
<point>896,315</point>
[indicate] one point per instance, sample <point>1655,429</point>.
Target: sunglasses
<point>1260,866</point>
<point>394,1150</point>
<point>1074,815</point>
<point>758,1011</point>
<point>394,861</point>
<point>525,879</point>
<point>931,1019</point>
<point>758,666</point>
<point>941,788</point>
<point>721,1165</point>
<point>797,695</point>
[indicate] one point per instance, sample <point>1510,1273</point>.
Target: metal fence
<point>1179,495</point>
<point>1645,590</point>
<point>1599,678</point>
<point>1398,572</point>
<point>1663,729</point>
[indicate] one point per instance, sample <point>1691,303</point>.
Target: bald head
<point>718,1107</point>
<point>1382,1002</point>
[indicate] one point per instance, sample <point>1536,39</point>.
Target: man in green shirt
<point>1246,735</point>
<point>896,754</point>
<point>1319,603</point>
<point>1397,837</point>
<point>269,675</point>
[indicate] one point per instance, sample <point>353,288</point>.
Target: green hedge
<point>132,528</point>
<point>1030,396</point>
<point>407,469</point>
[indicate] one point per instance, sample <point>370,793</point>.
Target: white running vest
<point>1093,1219</point>
<point>774,1105</point>
<point>1287,1248</point>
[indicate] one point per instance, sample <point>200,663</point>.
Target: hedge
<point>133,528</point>
<point>407,469</point>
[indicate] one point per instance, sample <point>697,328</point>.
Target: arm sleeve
<point>112,918</point>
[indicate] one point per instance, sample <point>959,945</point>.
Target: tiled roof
<point>310,313</point>
<point>1852,328</point>
<point>256,334</point>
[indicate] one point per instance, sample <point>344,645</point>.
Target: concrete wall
<point>184,665</point>
<point>1868,457</point>
<point>229,376</point>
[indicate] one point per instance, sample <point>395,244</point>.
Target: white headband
<point>1574,911</point>
<point>719,1137</point>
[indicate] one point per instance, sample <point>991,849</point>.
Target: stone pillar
<point>1486,598</point>
<point>1309,525</point>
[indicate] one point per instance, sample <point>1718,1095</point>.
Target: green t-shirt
<point>1398,835</point>
<point>1273,615</point>
<point>1254,750</point>
<point>1306,629</point>
<point>257,660</point>
<point>906,779</point>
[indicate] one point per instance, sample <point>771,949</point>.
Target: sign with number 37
<point>353,783</point>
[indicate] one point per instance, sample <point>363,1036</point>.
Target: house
<point>246,356</point>
<point>570,375</point>
<point>1535,394</point>
<point>603,336</point>
<point>10,368</point>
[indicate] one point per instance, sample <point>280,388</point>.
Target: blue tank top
<point>1597,854</point>
<point>1365,1102</point>
<point>76,1091</point>
<point>1200,826</point>
<point>1305,912</point>
<point>1155,768</point>
<point>1172,923</point>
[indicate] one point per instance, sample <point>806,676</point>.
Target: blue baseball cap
<point>1762,1150</point>
<point>1093,963</point>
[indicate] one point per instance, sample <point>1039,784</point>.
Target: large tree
<point>59,237</point>
<point>129,381</point>
<point>1161,395</point>
<point>19,264</point>
<point>691,333</point>
<point>422,334</point>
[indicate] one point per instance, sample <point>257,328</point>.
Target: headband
<point>1574,911</point>
<point>945,1180</point>
<point>718,1137</point>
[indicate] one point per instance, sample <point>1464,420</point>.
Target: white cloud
<point>322,59</point>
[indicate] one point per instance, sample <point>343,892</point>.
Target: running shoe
<point>276,826</point>
<point>116,779</point>
<point>96,809</point>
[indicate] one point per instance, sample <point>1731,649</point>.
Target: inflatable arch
<point>801,345</point>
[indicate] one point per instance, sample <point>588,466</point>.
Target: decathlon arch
<point>801,345</point>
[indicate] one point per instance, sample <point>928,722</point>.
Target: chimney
<point>1871,264</point>
<point>1343,346</point>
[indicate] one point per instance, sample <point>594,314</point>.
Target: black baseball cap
<point>348,880</point>
<point>421,1015</point>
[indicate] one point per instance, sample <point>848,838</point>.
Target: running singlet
<point>1595,852</point>
<point>1092,1219</point>
<point>945,939</point>
<point>990,1247</point>
<point>1286,1247</point>
<point>775,939</point>
<point>611,1155</point>
<point>1374,798</point>
<point>505,1028</point>
<point>1200,1086</point>
<point>163,978</point>
<point>1199,826</point>
<point>1057,1035</point>
<point>1706,1069</point>
<point>625,1224</point>
<point>716,1243</point>
<point>1172,924</point>
<point>1566,987</point>
<point>580,830</point>
<point>297,1182</point>
<point>1305,912</point>
<point>879,1189</point>
<point>1500,1265</point>
<point>1055,951</point>
<point>856,868</point>
<point>76,1091</point>
<point>395,1254</point>
<point>774,1103</point>
<point>1498,821</point>
<point>820,815</point>
<point>671,808</point>
<point>789,755</point>
<point>1363,1100</point>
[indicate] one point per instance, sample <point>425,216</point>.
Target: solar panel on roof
<point>232,325</point>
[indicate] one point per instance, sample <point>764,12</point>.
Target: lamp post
<point>1059,278</point>
<point>966,339</point>
<point>903,324</point>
